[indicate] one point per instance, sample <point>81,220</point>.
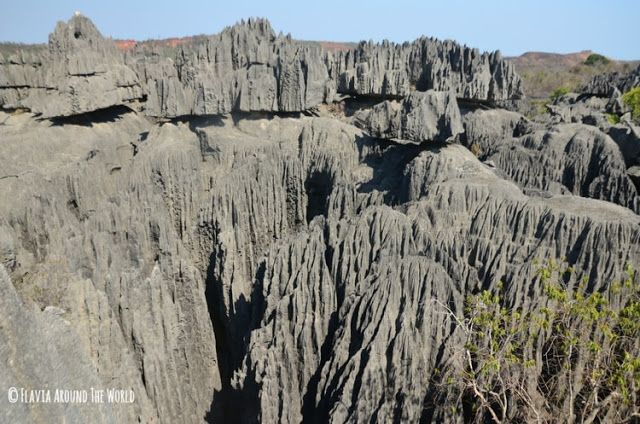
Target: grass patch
<point>632,99</point>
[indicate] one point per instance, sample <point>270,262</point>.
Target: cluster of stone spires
<point>290,265</point>
<point>246,67</point>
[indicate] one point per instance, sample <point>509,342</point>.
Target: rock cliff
<point>245,68</point>
<point>80,72</point>
<point>256,230</point>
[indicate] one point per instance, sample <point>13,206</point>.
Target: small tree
<point>572,354</point>
<point>596,59</point>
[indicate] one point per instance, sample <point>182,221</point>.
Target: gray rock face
<point>486,127</point>
<point>600,105</point>
<point>605,85</point>
<point>421,116</point>
<point>390,69</point>
<point>390,328</point>
<point>566,158</point>
<point>627,136</point>
<point>574,108</point>
<point>245,68</point>
<point>634,174</point>
<point>290,264</point>
<point>83,239</point>
<point>81,72</point>
<point>602,94</point>
<point>7,249</point>
<point>41,351</point>
<point>265,267</point>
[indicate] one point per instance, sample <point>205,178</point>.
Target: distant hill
<point>542,73</point>
<point>169,46</point>
<point>533,60</point>
<point>334,46</point>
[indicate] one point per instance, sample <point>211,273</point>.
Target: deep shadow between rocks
<point>388,159</point>
<point>88,119</point>
<point>318,187</point>
<point>232,331</point>
<point>312,413</point>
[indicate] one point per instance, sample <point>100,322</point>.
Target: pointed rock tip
<point>78,26</point>
<point>262,26</point>
<point>78,31</point>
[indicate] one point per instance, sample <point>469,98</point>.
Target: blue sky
<point>608,27</point>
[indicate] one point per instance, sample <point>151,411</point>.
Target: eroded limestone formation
<point>247,67</point>
<point>231,262</point>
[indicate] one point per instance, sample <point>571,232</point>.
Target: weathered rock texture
<point>265,267</point>
<point>421,116</point>
<point>92,232</point>
<point>40,350</point>
<point>605,84</point>
<point>599,103</point>
<point>390,69</point>
<point>81,72</point>
<point>564,158</point>
<point>244,68</point>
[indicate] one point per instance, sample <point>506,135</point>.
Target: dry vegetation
<point>544,73</point>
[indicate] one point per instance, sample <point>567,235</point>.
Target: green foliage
<point>596,59</point>
<point>558,92</point>
<point>537,107</point>
<point>612,118</point>
<point>570,335</point>
<point>632,99</point>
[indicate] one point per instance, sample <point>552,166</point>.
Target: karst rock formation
<point>254,229</point>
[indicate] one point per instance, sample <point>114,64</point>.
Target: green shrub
<point>612,118</point>
<point>632,99</point>
<point>567,334</point>
<point>595,59</point>
<point>558,92</point>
